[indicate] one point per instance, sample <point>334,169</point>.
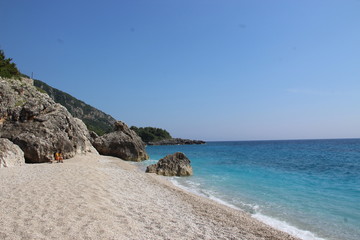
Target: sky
<point>201,69</point>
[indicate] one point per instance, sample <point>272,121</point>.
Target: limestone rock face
<point>84,136</point>
<point>38,125</point>
<point>176,164</point>
<point>93,136</point>
<point>10,154</point>
<point>123,143</point>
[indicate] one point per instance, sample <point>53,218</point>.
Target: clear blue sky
<point>202,69</point>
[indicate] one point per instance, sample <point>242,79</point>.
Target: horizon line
<point>294,139</point>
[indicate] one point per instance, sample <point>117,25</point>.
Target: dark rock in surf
<point>176,164</point>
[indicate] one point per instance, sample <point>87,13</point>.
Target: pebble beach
<point>99,197</point>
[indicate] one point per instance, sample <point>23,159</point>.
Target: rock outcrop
<point>10,154</point>
<point>95,119</point>
<point>123,143</point>
<point>176,141</point>
<point>93,136</point>
<point>176,164</point>
<point>38,125</point>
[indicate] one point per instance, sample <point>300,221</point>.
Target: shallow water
<point>309,188</point>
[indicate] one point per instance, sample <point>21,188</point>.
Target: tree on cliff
<point>7,68</point>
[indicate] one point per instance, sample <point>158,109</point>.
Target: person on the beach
<point>57,157</point>
<point>61,157</point>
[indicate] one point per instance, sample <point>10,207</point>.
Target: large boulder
<point>10,154</point>
<point>123,143</point>
<point>176,164</point>
<point>38,125</point>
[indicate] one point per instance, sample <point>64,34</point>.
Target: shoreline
<point>268,220</point>
<point>93,196</point>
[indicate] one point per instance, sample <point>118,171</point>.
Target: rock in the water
<point>123,143</point>
<point>176,164</point>
<point>38,125</point>
<point>10,154</point>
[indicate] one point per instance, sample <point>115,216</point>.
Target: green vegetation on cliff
<point>7,68</point>
<point>151,134</point>
<point>94,119</point>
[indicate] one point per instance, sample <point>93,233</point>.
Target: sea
<point>308,188</point>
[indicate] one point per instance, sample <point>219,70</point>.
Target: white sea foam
<point>189,189</point>
<point>285,227</point>
<point>277,224</point>
<point>223,202</point>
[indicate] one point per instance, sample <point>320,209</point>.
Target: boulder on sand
<point>176,164</point>
<point>38,125</point>
<point>123,143</point>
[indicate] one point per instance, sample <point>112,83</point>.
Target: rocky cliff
<point>38,125</point>
<point>94,119</point>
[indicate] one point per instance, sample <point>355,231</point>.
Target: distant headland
<point>176,141</point>
<point>158,136</point>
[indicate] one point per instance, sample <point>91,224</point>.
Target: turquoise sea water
<point>309,188</point>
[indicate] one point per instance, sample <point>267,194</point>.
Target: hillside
<point>94,119</point>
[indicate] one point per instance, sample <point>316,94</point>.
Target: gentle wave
<point>312,185</point>
<point>285,227</point>
<point>275,223</point>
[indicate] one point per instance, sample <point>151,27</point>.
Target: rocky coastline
<point>40,127</point>
<point>33,121</point>
<point>176,141</point>
<point>101,197</point>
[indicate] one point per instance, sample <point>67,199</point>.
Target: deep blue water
<point>310,188</point>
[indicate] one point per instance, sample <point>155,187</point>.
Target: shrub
<point>7,68</point>
<point>151,134</point>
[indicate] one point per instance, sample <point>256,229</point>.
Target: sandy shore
<point>98,197</point>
